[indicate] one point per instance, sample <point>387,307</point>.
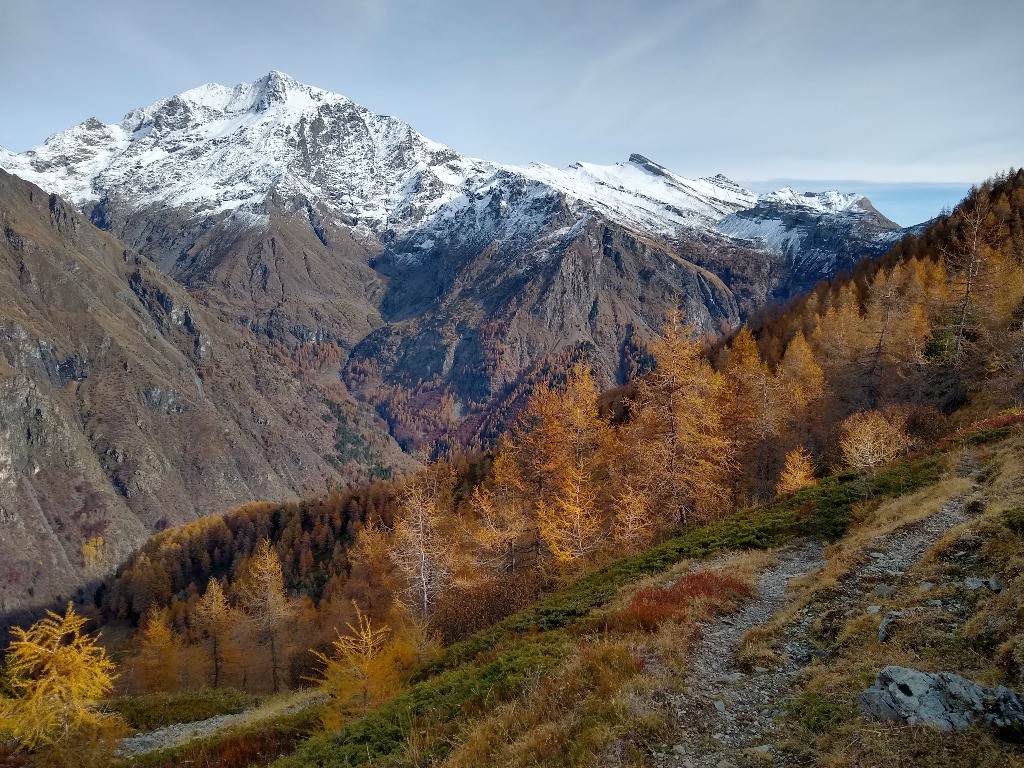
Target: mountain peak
<point>276,88</point>
<point>648,165</point>
<point>830,201</point>
<point>721,180</point>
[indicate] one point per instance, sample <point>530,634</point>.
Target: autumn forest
<point>357,589</point>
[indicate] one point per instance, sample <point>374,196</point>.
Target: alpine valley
<point>264,290</point>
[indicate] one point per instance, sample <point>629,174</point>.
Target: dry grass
<point>564,720</point>
<point>872,520</point>
<point>978,634</point>
<point>599,707</point>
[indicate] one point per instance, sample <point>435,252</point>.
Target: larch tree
<point>420,550</point>
<point>894,331</point>
<point>266,604</point>
<point>684,456</point>
<point>803,379</point>
<point>633,520</point>
<point>365,667</point>
<point>563,440</point>
<point>760,410</point>
<point>157,665</point>
<point>502,512</point>
<point>870,439</point>
<point>56,672</point>
<point>571,524</point>
<point>797,473</point>
<point>969,258</point>
<point>214,618</point>
<point>838,348</point>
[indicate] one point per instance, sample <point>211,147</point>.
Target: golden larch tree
<point>158,663</point>
<point>214,619</point>
<point>684,456</point>
<point>797,473</point>
<point>366,666</point>
<point>502,513</point>
<point>571,524</point>
<point>56,672</point>
<point>267,606</point>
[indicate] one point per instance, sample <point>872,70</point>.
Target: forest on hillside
<point>866,368</point>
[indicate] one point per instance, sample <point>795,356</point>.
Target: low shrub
<point>1014,519</point>
<point>818,714</point>
<point>694,596</point>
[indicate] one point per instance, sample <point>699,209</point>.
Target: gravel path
<point>180,733</point>
<point>173,735</point>
<point>725,717</point>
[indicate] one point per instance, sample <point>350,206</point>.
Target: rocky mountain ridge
<point>133,399</point>
<point>127,405</point>
<point>448,281</point>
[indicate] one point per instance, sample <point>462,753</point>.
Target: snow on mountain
<point>215,149</point>
<point>818,202</point>
<point>818,233</point>
<point>646,194</point>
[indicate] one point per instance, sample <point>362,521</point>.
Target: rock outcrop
<point>943,700</point>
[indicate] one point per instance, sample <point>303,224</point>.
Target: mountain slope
<point>307,218</point>
<point>126,405</point>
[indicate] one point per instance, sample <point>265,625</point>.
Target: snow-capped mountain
<point>819,233</point>
<point>308,218</point>
<point>215,149</point>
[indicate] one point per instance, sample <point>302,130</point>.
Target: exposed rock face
<point>943,700</point>
<point>126,405</point>
<point>819,234</point>
<point>273,200</point>
<point>138,388</point>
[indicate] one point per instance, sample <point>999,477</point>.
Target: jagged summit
<point>648,165</point>
<point>217,149</point>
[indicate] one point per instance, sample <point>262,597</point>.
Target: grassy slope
<point>945,627</point>
<point>474,678</point>
<point>492,667</point>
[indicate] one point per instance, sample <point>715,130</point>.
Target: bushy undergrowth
<point>1014,519</point>
<point>693,596</point>
<point>434,708</point>
<point>145,713</point>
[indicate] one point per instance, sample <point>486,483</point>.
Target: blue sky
<point>915,99</point>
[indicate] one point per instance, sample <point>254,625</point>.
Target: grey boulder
<point>943,700</point>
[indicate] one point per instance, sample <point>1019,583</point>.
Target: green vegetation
<point>436,706</point>
<point>350,447</point>
<point>1014,519</point>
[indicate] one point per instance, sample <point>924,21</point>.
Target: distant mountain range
<point>274,219</point>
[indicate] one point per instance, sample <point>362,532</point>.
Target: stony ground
<point>181,733</point>
<point>725,716</point>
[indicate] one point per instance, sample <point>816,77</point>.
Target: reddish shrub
<point>694,596</point>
